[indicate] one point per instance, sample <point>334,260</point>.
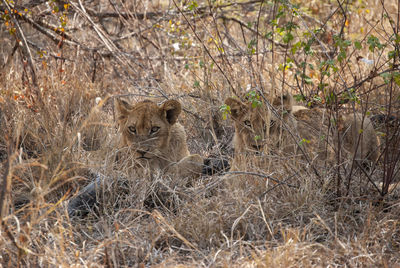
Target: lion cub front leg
<point>189,167</point>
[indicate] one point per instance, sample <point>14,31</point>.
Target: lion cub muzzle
<point>142,154</point>
<point>145,148</point>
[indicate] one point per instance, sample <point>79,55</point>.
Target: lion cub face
<point>146,127</point>
<point>251,126</point>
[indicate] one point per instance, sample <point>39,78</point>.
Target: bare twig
<point>244,25</point>
<point>206,49</point>
<point>27,51</point>
<point>5,185</point>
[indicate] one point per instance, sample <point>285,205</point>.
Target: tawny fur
<point>359,134</point>
<point>151,138</point>
<point>317,131</point>
<point>251,130</point>
<point>294,130</point>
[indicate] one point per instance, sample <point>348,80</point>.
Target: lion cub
<point>151,142</point>
<point>252,124</point>
<point>289,131</point>
<point>315,130</point>
<point>152,138</point>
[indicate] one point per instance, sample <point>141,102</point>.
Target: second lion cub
<point>282,130</point>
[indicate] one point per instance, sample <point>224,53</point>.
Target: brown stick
<point>25,47</point>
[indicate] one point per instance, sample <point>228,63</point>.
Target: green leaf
<point>397,39</point>
<point>392,54</point>
<point>373,43</point>
<point>386,77</point>
<point>304,141</point>
<point>225,110</point>
<point>193,5</point>
<point>252,43</point>
<point>254,98</point>
<point>308,80</point>
<point>322,86</point>
<point>288,37</point>
<point>396,78</point>
<point>346,43</point>
<point>280,13</point>
<point>342,55</point>
<point>357,44</point>
<point>268,35</point>
<point>295,47</point>
<point>299,97</point>
<point>317,98</point>
<point>291,25</point>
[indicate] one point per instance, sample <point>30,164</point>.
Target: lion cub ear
<point>237,107</point>
<point>284,102</point>
<point>171,110</point>
<point>122,109</point>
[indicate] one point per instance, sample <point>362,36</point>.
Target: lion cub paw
<point>189,167</point>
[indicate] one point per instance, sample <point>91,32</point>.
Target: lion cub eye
<point>132,129</point>
<point>247,123</point>
<point>154,130</point>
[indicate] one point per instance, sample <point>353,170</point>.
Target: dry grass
<point>53,145</point>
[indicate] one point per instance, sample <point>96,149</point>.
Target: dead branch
<point>25,47</point>
<point>244,25</point>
